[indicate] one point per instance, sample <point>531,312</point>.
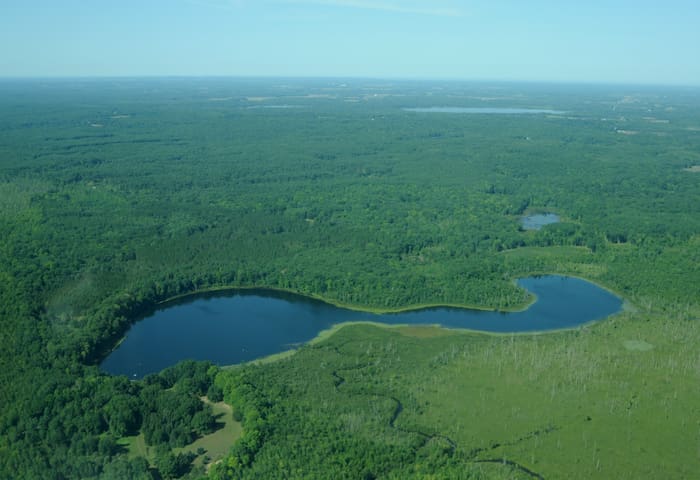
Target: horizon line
<point>450,79</point>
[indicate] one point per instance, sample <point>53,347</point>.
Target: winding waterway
<point>243,325</point>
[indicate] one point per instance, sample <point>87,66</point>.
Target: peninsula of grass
<point>612,400</point>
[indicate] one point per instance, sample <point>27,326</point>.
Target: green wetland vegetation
<point>119,194</point>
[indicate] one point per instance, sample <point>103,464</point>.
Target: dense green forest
<point>116,194</point>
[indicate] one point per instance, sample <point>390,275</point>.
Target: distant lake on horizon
<point>488,110</point>
<point>243,325</point>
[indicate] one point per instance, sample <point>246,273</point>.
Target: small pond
<point>536,222</point>
<point>243,325</point>
<point>486,110</point>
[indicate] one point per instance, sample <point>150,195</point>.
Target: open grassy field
<point>215,445</point>
<point>573,405</point>
<point>136,446</point>
<point>617,399</point>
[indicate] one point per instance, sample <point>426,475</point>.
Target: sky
<point>581,41</point>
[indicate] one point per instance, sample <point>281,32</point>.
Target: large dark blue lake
<point>243,325</point>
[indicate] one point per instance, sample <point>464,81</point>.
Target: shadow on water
<point>242,325</point>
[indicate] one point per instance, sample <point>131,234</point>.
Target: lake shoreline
<point>241,325</point>
<point>353,307</point>
<point>324,335</point>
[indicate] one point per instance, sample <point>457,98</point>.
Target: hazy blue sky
<point>640,41</point>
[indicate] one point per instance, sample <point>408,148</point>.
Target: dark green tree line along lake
<point>244,325</point>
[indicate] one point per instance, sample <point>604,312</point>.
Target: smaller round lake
<point>536,222</point>
<point>243,325</point>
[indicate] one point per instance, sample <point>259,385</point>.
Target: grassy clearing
<point>216,445</point>
<point>420,331</point>
<point>275,357</point>
<point>637,345</point>
<point>136,447</point>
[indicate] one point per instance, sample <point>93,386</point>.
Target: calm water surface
<point>536,222</point>
<point>488,110</point>
<point>248,324</point>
